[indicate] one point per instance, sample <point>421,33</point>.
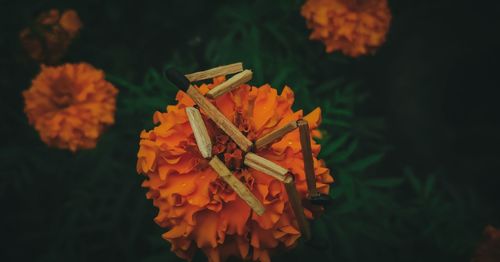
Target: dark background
<point>433,86</point>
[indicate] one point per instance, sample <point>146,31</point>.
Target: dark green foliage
<point>89,206</point>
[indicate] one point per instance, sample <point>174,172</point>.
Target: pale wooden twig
<point>305,143</point>
<point>298,210</point>
<point>200,132</point>
<point>274,135</point>
<point>217,71</point>
<point>230,84</point>
<point>265,166</point>
<point>236,185</point>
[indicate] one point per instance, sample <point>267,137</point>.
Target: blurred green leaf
<point>345,154</point>
<point>364,163</point>
<point>330,147</point>
<point>385,182</point>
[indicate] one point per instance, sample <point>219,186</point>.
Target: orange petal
<point>264,106</point>
<point>70,21</point>
<point>175,232</point>
<point>226,105</point>
<point>205,233</point>
<point>314,118</point>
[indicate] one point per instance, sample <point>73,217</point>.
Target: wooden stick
<point>210,110</point>
<point>305,143</point>
<point>237,185</point>
<point>265,166</point>
<point>274,135</point>
<point>217,71</point>
<point>298,209</point>
<point>200,132</point>
<point>230,84</point>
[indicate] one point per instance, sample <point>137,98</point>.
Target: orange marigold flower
<point>356,27</point>
<point>70,105</point>
<point>48,39</point>
<point>488,249</point>
<point>201,210</point>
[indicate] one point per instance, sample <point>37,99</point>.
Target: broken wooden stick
<point>200,132</point>
<point>265,166</point>
<point>230,84</point>
<point>236,185</point>
<point>209,109</point>
<point>214,72</point>
<point>297,208</point>
<point>275,135</point>
<point>305,142</point>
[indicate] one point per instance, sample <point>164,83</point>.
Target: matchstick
<point>265,166</point>
<point>230,84</point>
<point>274,135</point>
<point>209,109</point>
<point>200,132</point>
<point>297,208</point>
<point>305,142</point>
<point>217,71</point>
<point>236,185</point>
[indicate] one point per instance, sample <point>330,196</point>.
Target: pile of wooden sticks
<point>251,159</point>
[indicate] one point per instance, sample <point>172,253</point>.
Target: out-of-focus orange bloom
<point>70,22</point>
<point>488,249</point>
<point>70,105</point>
<point>355,27</point>
<point>201,210</point>
<point>48,39</point>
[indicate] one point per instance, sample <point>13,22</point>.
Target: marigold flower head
<point>49,37</point>
<point>355,27</point>
<point>70,105</point>
<point>201,210</point>
<point>488,249</point>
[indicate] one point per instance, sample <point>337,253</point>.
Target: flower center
<point>63,95</point>
<point>229,151</point>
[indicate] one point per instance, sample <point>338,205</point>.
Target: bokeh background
<point>411,132</point>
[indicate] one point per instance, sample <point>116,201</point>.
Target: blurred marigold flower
<point>48,38</point>
<point>355,27</point>
<point>70,105</point>
<point>488,249</point>
<point>201,210</point>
